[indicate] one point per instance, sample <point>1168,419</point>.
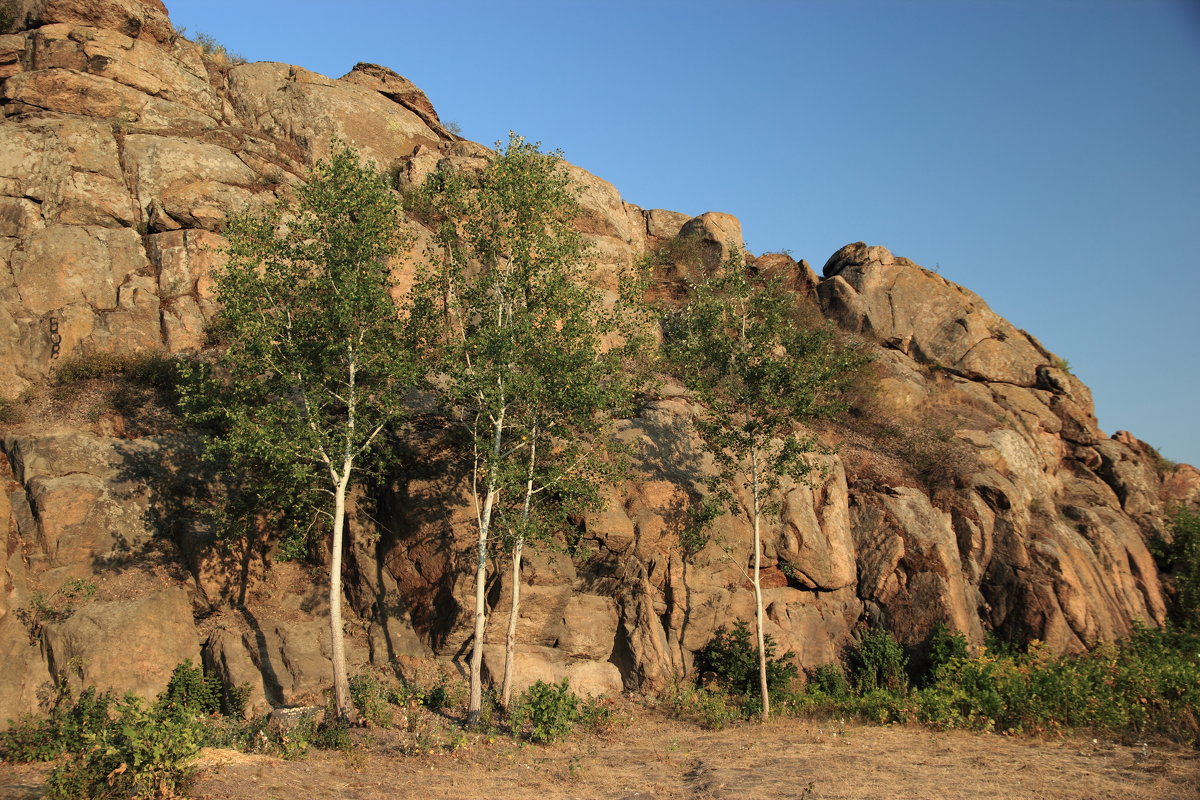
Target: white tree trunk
<point>341,683</point>
<point>510,641</point>
<point>475,703</point>
<point>758,598</point>
<point>514,610</point>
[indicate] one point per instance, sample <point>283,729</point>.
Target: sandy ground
<point>655,757</point>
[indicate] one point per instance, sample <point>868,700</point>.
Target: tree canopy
<point>315,369</point>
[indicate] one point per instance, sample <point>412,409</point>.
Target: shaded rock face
<point>974,488</point>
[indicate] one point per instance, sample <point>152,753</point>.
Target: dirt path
<point>660,758</point>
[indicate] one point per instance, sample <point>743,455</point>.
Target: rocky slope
<point>974,487</point>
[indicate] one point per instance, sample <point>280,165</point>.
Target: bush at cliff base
<point>1143,687</point>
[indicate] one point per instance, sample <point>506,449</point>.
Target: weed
<point>372,698</point>
<point>10,412</point>
<point>945,647</point>
<point>684,252</point>
<point>8,16</point>
<point>58,606</point>
<point>710,706</point>
<point>829,679</point>
<point>210,47</point>
<point>546,711</point>
<point>124,747</point>
<point>150,369</point>
<point>63,730</point>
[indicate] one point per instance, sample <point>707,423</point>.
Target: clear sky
<point>1043,153</point>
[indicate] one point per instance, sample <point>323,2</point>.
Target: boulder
<point>124,645</point>
<point>869,291</point>
<point>286,662</point>
<point>717,235</point>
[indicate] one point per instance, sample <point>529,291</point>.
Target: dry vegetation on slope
<point>655,757</point>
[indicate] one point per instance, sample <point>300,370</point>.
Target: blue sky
<point>1043,153</point>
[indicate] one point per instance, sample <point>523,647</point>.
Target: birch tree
<point>315,371</point>
<point>742,346</point>
<point>528,360</point>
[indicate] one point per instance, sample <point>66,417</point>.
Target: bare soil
<point>655,757</point>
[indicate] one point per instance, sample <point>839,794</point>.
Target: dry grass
<point>662,758</point>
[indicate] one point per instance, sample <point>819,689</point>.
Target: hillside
<point>971,487</point>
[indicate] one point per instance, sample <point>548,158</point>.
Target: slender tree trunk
<point>341,683</point>
<point>510,642</point>
<point>475,704</point>
<point>758,598</point>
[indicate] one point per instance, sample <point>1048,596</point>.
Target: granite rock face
<point>974,488</point>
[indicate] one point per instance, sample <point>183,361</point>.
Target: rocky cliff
<point>972,486</point>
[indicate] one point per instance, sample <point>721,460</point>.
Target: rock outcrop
<point>974,488</point>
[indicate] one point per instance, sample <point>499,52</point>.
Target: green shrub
<point>372,698</point>
<point>1179,559</point>
<point>945,645</point>
<point>142,752</point>
<point>192,691</point>
<point>125,747</point>
<point>829,679</point>
<point>710,706</point>
<point>58,606</point>
<point>546,712</point>
<point>1147,685</point>
<point>878,662</point>
<point>64,730</point>
<point>733,657</point>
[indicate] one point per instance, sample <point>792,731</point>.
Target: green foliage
<point>744,345</point>
<point>733,658</point>
<point>710,706</point>
<point>315,367</point>
<point>527,357</point>
<point>372,698</point>
<point>62,731</point>
<point>141,752</point>
<point>946,646</point>
<point>191,691</point>
<point>1179,559</point>
<point>878,662</point>
<point>829,679</point>
<point>57,606</point>
<point>1147,685</point>
<point>546,712</point>
<point>200,693</point>
<point>125,747</point>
